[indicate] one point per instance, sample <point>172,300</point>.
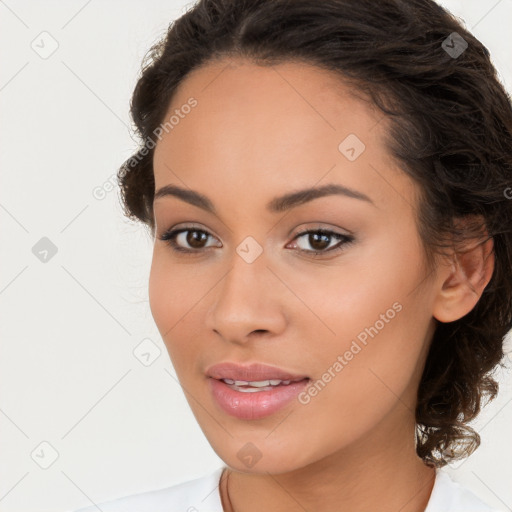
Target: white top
<point>202,495</point>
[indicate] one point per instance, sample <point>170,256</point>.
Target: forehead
<point>295,98</point>
<point>275,127</point>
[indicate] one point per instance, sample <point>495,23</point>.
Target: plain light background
<point>69,326</point>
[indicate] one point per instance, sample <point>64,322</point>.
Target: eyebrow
<point>276,205</point>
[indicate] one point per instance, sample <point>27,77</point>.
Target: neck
<point>379,472</point>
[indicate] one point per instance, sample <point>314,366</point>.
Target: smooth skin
<point>255,134</point>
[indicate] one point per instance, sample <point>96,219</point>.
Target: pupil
<point>195,241</point>
<point>319,236</point>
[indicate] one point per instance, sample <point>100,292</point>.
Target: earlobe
<point>465,281</point>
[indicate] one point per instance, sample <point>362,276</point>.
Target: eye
<point>191,236</point>
<point>321,239</point>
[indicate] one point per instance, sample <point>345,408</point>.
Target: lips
<point>255,372</point>
<point>255,391</point>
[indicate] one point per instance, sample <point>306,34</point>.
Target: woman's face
<point>349,308</point>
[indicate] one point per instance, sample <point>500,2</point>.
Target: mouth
<point>254,391</point>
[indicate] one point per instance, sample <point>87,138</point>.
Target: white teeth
<point>260,383</point>
<point>248,389</point>
<point>256,385</point>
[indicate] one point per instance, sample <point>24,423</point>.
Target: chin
<point>258,454</point>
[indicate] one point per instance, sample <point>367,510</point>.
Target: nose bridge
<point>245,286</point>
<point>246,299</point>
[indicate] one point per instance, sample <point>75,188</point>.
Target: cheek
<point>368,293</point>
<point>175,293</point>
<point>358,384</point>
<point>377,334</point>
<point>167,301</point>
<point>161,298</point>
<point>173,290</point>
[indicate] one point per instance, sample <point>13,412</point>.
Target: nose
<point>249,302</point>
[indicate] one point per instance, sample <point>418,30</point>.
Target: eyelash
<point>169,238</point>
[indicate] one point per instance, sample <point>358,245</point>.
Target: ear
<point>463,283</point>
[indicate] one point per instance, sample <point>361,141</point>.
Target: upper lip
<point>251,372</point>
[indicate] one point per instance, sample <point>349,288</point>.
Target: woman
<point>326,186</point>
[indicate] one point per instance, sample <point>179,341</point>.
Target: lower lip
<point>253,406</point>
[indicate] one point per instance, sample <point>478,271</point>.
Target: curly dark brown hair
<point>451,132</point>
